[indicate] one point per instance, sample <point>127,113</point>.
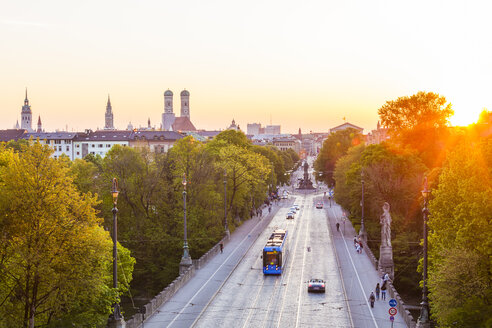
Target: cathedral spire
<point>26,101</point>
<point>108,117</point>
<point>40,126</point>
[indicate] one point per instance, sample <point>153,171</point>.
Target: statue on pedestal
<point>385,221</point>
<point>386,263</point>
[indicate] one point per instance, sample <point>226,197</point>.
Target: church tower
<point>185,103</point>
<point>26,115</point>
<point>40,126</point>
<point>168,117</point>
<point>109,116</point>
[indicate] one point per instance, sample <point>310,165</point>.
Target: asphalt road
<point>250,299</point>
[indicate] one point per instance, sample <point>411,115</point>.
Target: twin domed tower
<point>168,118</point>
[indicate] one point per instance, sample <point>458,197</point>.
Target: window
<point>78,153</point>
<point>100,145</point>
<point>59,148</point>
<point>78,146</point>
<point>92,153</point>
<point>68,148</point>
<point>108,146</point>
<point>93,146</point>
<point>57,142</point>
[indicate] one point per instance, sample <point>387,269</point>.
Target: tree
<point>460,280</point>
<point>420,122</point>
<point>334,147</point>
<point>55,257</point>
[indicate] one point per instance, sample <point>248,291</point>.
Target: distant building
<point>272,129</point>
<point>40,125</point>
<point>61,142</point>
<point>377,136</point>
<point>12,134</point>
<point>26,116</point>
<point>172,123</point>
<point>253,129</point>
<point>108,116</point>
<point>155,141</point>
<point>344,126</point>
<point>99,142</point>
<point>233,126</point>
<point>284,143</point>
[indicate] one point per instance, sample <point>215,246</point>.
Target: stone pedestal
<point>116,323</point>
<point>185,263</point>
<point>386,263</point>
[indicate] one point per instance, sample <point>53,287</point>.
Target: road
<point>250,299</point>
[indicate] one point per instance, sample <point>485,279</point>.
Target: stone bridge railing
<point>168,292</point>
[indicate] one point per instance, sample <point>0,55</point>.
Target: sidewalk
<point>359,276</point>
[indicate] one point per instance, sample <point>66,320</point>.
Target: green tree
<point>460,266</point>
<point>334,147</point>
<point>55,257</point>
<point>419,122</point>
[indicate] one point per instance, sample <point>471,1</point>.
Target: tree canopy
<point>55,256</point>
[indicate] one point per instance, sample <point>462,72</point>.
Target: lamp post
<point>362,231</point>
<point>186,259</point>
<point>226,227</point>
<point>116,320</point>
<point>423,321</point>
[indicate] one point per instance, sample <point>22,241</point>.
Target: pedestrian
<point>338,226</point>
<point>357,248</point>
<point>221,245</point>
<point>355,241</point>
<point>378,289</point>
<point>361,247</point>
<point>269,209</point>
<point>372,299</point>
<point>383,291</point>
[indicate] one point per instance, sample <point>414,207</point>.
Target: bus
<point>275,252</point>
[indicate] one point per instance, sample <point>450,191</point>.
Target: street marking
<point>203,286</point>
<point>358,278</point>
<point>302,274</point>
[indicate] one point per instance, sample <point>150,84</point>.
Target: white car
<point>293,209</point>
<point>290,215</point>
<point>296,206</point>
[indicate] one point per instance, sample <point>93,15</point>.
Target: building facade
<point>172,123</point>
<point>26,116</point>
<point>108,116</point>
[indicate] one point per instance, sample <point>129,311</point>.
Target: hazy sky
<point>301,64</point>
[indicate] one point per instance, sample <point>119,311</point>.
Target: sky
<point>298,64</point>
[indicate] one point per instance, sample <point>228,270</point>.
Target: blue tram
<point>275,253</point>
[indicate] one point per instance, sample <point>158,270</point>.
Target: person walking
<point>221,245</point>
<point>383,291</point>
<point>361,247</point>
<point>378,289</point>
<point>372,298</point>
<point>338,226</point>
<point>357,248</point>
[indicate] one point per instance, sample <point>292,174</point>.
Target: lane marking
<point>205,284</point>
<point>302,274</point>
<point>291,262</point>
<point>358,278</point>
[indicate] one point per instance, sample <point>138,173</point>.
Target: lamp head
<point>184,182</point>
<point>425,191</point>
<point>114,191</point>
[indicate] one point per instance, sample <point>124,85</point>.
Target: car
<point>319,205</point>
<point>284,196</point>
<point>316,286</point>
<point>293,209</point>
<point>296,206</point>
<point>290,215</point>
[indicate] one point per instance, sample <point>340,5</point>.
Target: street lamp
<point>362,231</point>
<point>424,309</point>
<point>226,227</point>
<point>117,318</point>
<point>185,260</point>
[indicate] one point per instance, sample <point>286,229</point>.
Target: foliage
<point>460,280</point>
<point>55,257</point>
<point>420,123</point>
<point>334,147</point>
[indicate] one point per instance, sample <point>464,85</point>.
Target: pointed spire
<point>26,101</point>
<point>39,120</point>
<point>109,101</point>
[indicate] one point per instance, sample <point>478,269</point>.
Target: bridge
<point>230,290</point>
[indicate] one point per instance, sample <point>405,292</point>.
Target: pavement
<point>359,275</point>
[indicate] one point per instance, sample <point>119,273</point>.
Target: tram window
<point>270,258</point>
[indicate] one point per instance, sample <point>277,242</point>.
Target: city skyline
<point>295,65</point>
